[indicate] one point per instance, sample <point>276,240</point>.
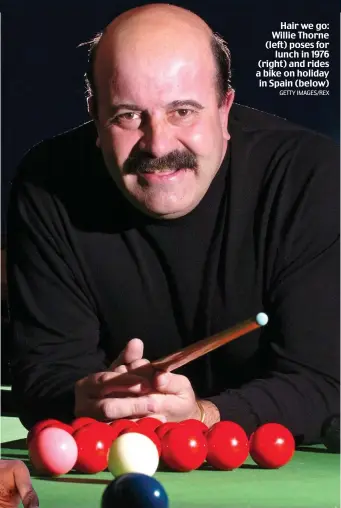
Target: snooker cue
<point>193,351</point>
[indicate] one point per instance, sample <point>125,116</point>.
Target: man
<point>16,486</point>
<point>172,215</point>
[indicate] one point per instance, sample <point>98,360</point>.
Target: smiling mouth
<point>159,171</point>
<point>158,176</point>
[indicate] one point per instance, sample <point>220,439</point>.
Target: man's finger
<point>23,483</point>
<point>138,363</point>
<point>141,388</point>
<point>128,407</point>
<point>143,375</point>
<point>121,369</point>
<point>172,384</point>
<point>132,352</point>
<point>103,384</point>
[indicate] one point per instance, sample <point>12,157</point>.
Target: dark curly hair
<point>221,54</point>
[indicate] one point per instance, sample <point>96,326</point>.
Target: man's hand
<point>122,393</point>
<point>176,400</point>
<point>16,486</point>
<point>112,394</point>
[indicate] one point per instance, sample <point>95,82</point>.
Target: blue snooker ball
<point>135,490</point>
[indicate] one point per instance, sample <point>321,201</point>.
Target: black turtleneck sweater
<point>87,272</point>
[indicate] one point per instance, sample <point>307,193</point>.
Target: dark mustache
<point>140,163</point>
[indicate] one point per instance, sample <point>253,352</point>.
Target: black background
<point>42,68</point>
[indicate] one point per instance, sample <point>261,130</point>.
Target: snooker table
<point>310,480</point>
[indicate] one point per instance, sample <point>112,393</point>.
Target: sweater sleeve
<point>300,387</point>
<point>55,330</point>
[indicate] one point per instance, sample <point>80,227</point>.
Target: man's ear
<point>224,112</point>
<point>91,106</point>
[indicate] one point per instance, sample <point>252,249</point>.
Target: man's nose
<point>157,138</point>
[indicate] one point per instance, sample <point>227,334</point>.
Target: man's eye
<point>127,116</point>
<point>183,113</point>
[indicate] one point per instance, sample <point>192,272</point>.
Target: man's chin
<point>162,210</point>
<point>171,199</point>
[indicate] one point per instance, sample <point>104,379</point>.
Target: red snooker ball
<point>183,449</point>
<point>117,426</point>
<point>272,446</point>
<point>80,422</point>
<point>93,442</point>
<point>149,423</point>
<point>228,445</point>
<point>38,427</point>
<point>149,433</point>
<point>195,425</point>
<point>162,430</point>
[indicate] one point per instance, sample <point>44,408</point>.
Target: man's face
<point>161,132</point>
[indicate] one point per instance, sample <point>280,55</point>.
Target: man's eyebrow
<point>117,107</point>
<point>183,104</point>
<point>114,108</point>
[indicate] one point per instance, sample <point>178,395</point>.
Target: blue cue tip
<point>262,319</point>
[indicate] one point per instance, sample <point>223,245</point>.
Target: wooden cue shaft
<point>194,351</point>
